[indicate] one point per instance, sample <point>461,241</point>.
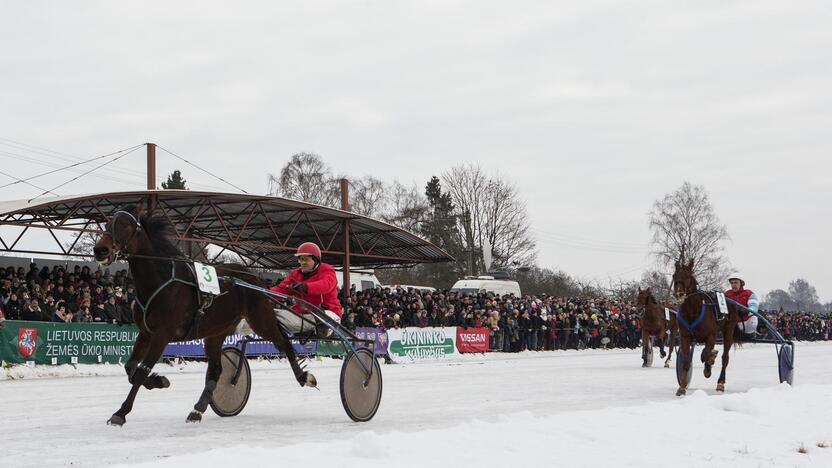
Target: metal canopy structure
<point>264,231</point>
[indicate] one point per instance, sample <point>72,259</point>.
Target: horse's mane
<point>160,232</point>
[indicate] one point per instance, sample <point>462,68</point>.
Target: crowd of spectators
<point>532,323</point>
<point>515,324</point>
<point>58,295</point>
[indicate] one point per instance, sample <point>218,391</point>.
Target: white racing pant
<point>295,323</point>
<point>291,322</point>
<point>748,327</point>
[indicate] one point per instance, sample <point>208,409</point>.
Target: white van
<point>410,286</point>
<point>479,284</point>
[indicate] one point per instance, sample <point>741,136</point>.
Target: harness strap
<point>171,280</point>
<point>696,322</point>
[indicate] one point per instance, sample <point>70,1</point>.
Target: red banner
<point>472,340</point>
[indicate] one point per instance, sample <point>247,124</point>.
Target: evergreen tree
<point>440,228</point>
<point>175,181</point>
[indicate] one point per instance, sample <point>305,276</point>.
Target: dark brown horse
<point>169,306</point>
<point>653,323</point>
<point>698,320</point>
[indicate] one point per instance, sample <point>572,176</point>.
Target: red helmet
<point>309,248</point>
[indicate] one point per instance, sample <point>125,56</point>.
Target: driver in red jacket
<point>315,283</point>
<point>747,322</point>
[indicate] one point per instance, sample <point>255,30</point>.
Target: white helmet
<point>736,276</point>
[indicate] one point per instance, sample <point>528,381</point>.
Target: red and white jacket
<point>745,297</point>
<point>322,288</point>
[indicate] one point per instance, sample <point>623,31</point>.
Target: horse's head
<point>683,281</point>
<point>643,298</point>
<point>119,237</point>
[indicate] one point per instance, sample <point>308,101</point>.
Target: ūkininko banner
<point>416,344</point>
<point>65,343</point>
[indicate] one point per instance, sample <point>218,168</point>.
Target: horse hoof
<point>720,387</point>
<point>680,392</point>
<point>116,420</point>
<point>667,364</point>
<point>662,354</point>
<point>156,381</point>
<point>707,373</point>
<point>194,417</point>
<point>311,381</point>
<point>644,364</point>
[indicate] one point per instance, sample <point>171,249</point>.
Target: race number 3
<point>206,277</point>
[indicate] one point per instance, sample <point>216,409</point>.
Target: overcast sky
<point>594,108</point>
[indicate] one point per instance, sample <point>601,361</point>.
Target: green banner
<point>65,343</point>
<point>330,348</point>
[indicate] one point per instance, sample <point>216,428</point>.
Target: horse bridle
<point>110,231</point>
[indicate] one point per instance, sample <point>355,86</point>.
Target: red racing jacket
<point>742,296</point>
<point>322,288</point>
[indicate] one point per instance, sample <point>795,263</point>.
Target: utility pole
<point>345,206</point>
<point>470,237</point>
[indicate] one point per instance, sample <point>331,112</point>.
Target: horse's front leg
<point>645,343</point>
<point>684,355</point>
<point>139,352</point>
<point>213,351</point>
<point>138,378</point>
<point>709,355</point>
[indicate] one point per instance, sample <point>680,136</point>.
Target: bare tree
<point>490,212</point>
<point>659,285</point>
<point>684,223</point>
<point>804,295</point>
<point>81,243</point>
<point>406,207</point>
<point>367,196</point>
<point>779,299</point>
<point>307,178</point>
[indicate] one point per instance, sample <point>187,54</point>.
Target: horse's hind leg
<point>720,383</point>
<point>138,378</point>
<point>213,351</point>
<point>660,339</point>
<point>266,325</point>
<point>671,343</point>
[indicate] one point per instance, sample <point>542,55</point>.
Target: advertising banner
<point>416,344</point>
<point>196,348</point>
<point>472,340</point>
<point>65,343</point>
<point>378,334</point>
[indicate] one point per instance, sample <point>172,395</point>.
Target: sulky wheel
<point>360,395</point>
<point>230,398</point>
<point>785,363</point>
<point>680,364</point>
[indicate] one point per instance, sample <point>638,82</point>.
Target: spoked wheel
<point>680,364</point>
<point>648,361</point>
<point>785,363</point>
<point>360,393</point>
<point>231,397</point>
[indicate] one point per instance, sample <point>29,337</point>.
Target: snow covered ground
<point>575,409</point>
